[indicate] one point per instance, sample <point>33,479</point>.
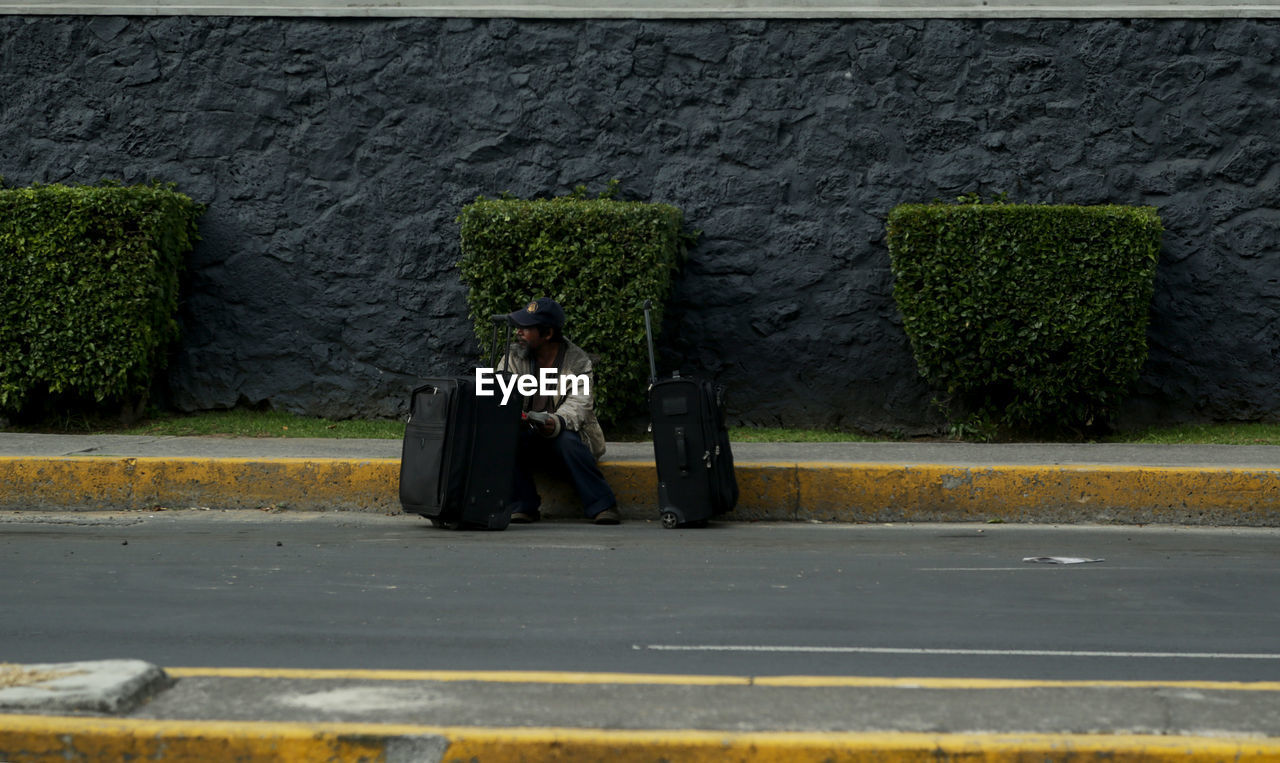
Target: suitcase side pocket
<point>422,459</point>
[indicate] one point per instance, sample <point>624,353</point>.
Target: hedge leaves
<point>599,258</point>
<point>1029,318</point>
<point>89,279</point>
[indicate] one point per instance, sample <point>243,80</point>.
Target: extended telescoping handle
<point>648,335</point>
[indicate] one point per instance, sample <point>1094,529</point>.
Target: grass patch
<point>243,423</point>
<point>1205,434</point>
<point>773,434</point>
<point>233,423</point>
<point>250,423</point>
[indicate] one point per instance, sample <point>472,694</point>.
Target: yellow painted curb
<point>511,745</point>
<point>810,491</point>
<point>106,482</point>
<point>25,739</point>
<point>886,492</point>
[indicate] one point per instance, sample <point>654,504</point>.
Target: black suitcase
<point>696,480</point>
<point>459,453</point>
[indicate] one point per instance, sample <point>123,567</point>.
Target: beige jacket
<point>577,412</point>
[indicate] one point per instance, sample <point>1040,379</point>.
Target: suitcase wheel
<point>669,520</point>
<point>446,525</point>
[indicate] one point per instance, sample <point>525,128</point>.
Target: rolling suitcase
<point>696,480</point>
<point>459,453</point>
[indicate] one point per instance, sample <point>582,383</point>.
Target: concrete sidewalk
<point>827,482</point>
<point>255,714</point>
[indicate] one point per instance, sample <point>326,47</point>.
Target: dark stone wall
<point>336,154</point>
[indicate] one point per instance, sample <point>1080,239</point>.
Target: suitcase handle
<point>413,398</point>
<point>648,335</point>
<point>682,450</point>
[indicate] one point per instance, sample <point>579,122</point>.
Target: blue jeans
<point>565,455</point>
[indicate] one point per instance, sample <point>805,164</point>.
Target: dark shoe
<point>525,517</point>
<point>608,517</point>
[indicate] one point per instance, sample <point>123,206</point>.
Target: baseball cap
<point>543,311</point>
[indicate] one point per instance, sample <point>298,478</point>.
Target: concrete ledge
<point>775,491</point>
<point>100,686</point>
<point>33,738</point>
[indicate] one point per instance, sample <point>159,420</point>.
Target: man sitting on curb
<point>569,439</point>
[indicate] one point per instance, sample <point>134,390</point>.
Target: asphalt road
<point>359,591</point>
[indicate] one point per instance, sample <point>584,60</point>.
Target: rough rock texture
<point>336,154</point>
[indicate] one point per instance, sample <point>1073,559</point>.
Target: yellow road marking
<point>554,677</point>
<point>512,676</point>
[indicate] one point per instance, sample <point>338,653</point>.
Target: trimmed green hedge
<point>1027,318</point>
<point>89,279</point>
<point>599,258</point>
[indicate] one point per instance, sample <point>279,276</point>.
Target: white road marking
<point>961,652</point>
<point>1028,568</point>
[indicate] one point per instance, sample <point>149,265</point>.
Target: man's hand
<point>545,423</point>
